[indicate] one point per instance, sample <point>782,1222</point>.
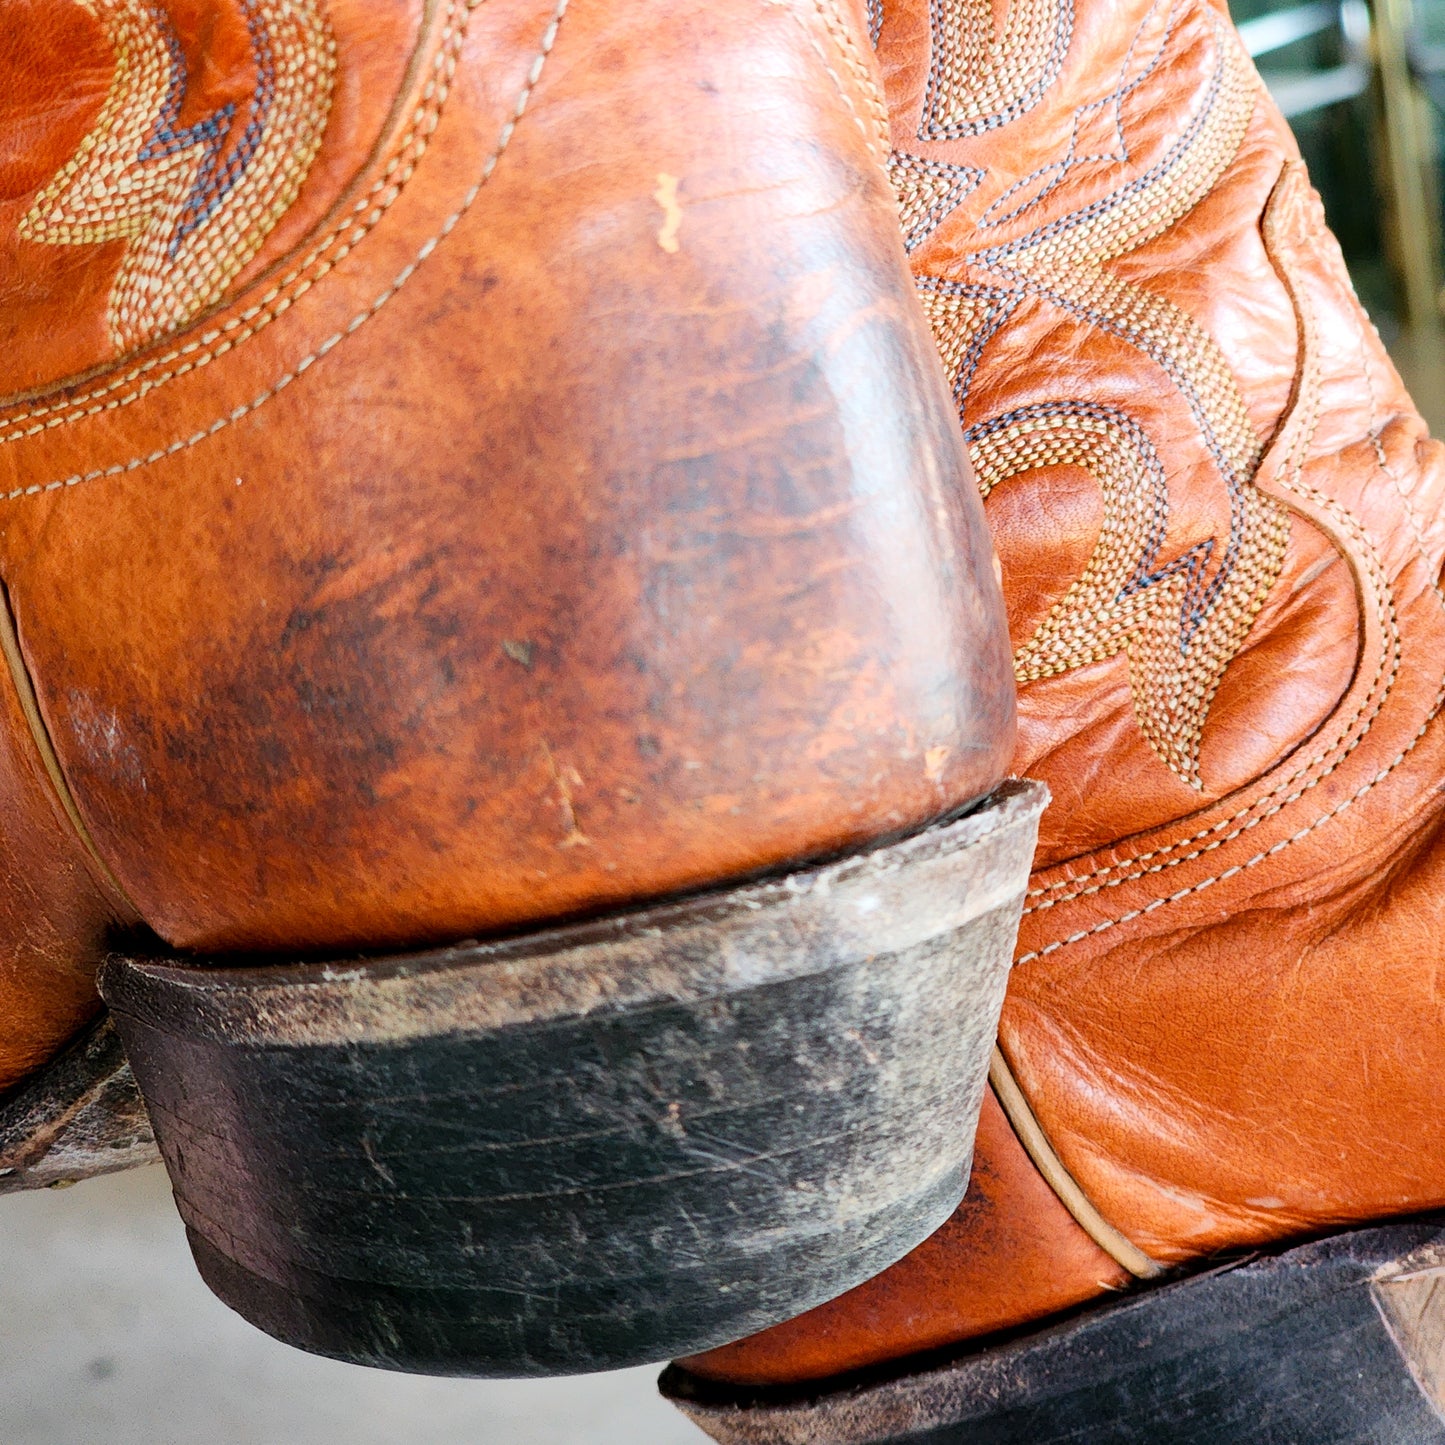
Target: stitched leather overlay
<point>220,423</point>
<point>194,202</point>
<point>1286,227</point>
<point>979,79</point>
<point>1292,215</point>
<point>1180,610</point>
<point>1096,134</point>
<point>927,191</point>
<point>252,314</point>
<point>1179,638</point>
<point>1252,1053</point>
<point>859,91</point>
<point>1182,621</point>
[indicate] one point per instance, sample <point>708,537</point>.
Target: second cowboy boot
<point>1221,528</point>
<point>512,690</point>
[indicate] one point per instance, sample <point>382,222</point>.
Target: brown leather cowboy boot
<point>451,490</point>
<point>1221,531</point>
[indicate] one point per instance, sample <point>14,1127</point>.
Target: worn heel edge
<point>879,900</point>
<point>598,1145</point>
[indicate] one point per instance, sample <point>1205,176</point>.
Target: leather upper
<point>1220,524</point>
<point>446,477</point>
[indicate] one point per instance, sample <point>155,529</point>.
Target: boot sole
<point>597,1145</point>
<point>78,1116</point>
<point>1337,1342</point>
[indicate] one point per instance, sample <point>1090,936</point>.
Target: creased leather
<point>514,521</point>
<point>1226,1009</point>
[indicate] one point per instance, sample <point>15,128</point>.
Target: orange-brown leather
<point>447,480</point>
<point>1011,1254</point>
<point>1221,530</point>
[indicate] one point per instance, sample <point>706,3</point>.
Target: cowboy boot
<point>1220,524</point>
<point>451,494</point>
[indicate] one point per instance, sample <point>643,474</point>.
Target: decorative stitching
<point>194,204</point>
<point>504,138</point>
<point>978,81</point>
<point>875,21</point>
<point>1126,600</point>
<point>927,191</point>
<point>1277,246</point>
<point>1214,592</point>
<point>1417,530</point>
<point>329,251</point>
<point>1290,448</point>
<point>964,318</point>
<point>1056,172</point>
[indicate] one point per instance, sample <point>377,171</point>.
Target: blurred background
<point>107,1334</point>
<point>1363,84</point>
<point>108,1337</point>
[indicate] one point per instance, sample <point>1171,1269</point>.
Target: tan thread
<point>328,252</point>
<point>861,64</point>
<point>220,423</point>
<point>872,121</point>
<point>1036,1145</point>
<point>1277,246</point>
<point>1180,626</point>
<point>1099,616</point>
<point>927,191</point>
<point>1291,448</point>
<point>193,203</point>
<point>979,79</point>
<point>962,317</point>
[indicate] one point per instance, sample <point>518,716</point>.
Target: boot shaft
<point>460,489</point>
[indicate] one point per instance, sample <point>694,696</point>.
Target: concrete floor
<point>108,1337</point>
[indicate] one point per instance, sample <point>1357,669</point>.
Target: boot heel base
<point>597,1145</point>
<point>1337,1342</point>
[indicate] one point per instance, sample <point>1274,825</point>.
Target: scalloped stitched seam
<point>1389,617</point>
<point>1341,515</point>
<point>275,302</point>
<point>1390,627</point>
<point>360,319</point>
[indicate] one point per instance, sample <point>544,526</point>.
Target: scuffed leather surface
<point>517,537</point>
<point>1226,1010</point>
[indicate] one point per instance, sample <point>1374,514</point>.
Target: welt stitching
<point>379,197</point>
<point>220,423</point>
